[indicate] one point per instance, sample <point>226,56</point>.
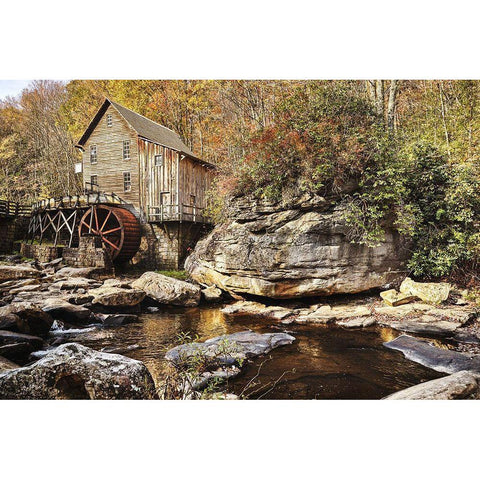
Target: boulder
<point>439,359</point>
<point>29,318</point>
<point>15,272</point>
<point>60,309</point>
<point>26,288</point>
<point>460,385</point>
<point>71,272</point>
<point>18,351</point>
<point>7,365</point>
<point>425,319</point>
<point>117,297</point>
<point>296,248</point>
<point>116,282</point>
<point>227,350</point>
<point>73,371</point>
<point>10,322</point>
<point>18,346</point>
<point>257,309</point>
<point>75,283</point>
<point>338,313</point>
<point>212,294</point>
<point>428,292</point>
<point>168,290</point>
<point>359,322</point>
<point>7,338</point>
<point>394,298</point>
<point>117,320</point>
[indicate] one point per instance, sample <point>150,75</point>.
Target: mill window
<point>158,160</point>
<point>126,149</point>
<point>93,154</point>
<point>109,120</point>
<point>94,180</point>
<point>127,182</point>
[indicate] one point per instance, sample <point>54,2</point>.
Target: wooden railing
<point>14,209</point>
<point>177,213</point>
<point>89,197</point>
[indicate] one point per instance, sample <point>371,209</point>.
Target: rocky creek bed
<point>344,347</point>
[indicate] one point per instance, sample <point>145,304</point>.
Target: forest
<point>410,148</point>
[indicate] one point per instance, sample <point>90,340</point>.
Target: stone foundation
<point>89,253</point>
<point>165,246</point>
<point>7,235</point>
<point>11,229</point>
<point>42,253</point>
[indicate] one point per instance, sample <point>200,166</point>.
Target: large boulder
<point>25,317</point>
<point>458,386</point>
<point>168,290</point>
<point>15,272</point>
<point>117,297</point>
<point>428,292</point>
<point>73,371</point>
<point>294,249</point>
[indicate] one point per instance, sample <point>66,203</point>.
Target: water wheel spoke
<point>83,222</point>
<point>89,228</point>
<point>106,220</point>
<point>110,243</point>
<point>111,231</point>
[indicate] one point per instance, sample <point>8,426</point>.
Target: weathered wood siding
<point>110,164</point>
<point>158,183</point>
<point>194,181</point>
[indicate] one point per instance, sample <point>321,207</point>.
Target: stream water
<point>323,363</point>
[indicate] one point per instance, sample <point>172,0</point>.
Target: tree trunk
<point>392,105</point>
<point>379,101</point>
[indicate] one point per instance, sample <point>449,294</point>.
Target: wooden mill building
<point>148,165</point>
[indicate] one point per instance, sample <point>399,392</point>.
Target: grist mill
<point>144,198</point>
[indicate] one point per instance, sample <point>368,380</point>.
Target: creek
<point>325,362</point>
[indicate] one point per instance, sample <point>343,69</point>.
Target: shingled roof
<point>145,128</point>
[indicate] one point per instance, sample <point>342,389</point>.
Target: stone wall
<point>89,253</point>
<point>12,229</point>
<point>42,253</point>
<point>7,235</point>
<point>165,246</point>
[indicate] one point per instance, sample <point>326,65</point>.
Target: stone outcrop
<point>168,290</point>
<point>73,371</point>
<point>421,318</point>
<point>458,386</point>
<point>294,249</point>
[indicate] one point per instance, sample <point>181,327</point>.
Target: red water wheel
<point>118,229</point>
